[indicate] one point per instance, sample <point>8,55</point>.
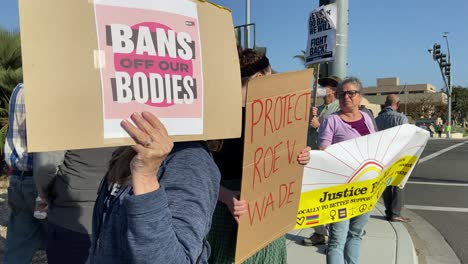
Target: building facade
<point>408,93</point>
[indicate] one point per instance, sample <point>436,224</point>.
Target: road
<point>438,191</point>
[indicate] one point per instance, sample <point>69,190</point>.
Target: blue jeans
<point>25,234</point>
<point>345,240</point>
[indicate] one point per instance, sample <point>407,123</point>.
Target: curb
<point>431,246</point>
<point>405,250</point>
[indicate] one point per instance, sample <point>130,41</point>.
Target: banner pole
<point>315,87</point>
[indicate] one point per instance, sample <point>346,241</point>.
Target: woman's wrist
<point>144,183</point>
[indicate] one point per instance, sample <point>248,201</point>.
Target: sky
<point>385,38</point>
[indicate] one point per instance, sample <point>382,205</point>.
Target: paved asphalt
<point>438,192</point>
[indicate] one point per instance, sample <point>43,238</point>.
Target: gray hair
<point>350,80</point>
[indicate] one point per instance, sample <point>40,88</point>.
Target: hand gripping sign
<point>348,178</point>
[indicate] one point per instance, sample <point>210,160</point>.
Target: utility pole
<point>339,67</point>
<point>445,70</point>
<point>247,22</point>
<point>449,82</point>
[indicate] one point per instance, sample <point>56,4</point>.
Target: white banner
<point>321,40</point>
<point>348,178</point>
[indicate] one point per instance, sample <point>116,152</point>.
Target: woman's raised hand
<point>152,144</point>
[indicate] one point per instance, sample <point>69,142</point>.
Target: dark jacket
<point>168,225</point>
<point>71,180</point>
<point>389,118</point>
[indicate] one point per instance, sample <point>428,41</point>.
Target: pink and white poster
<point>150,60</point>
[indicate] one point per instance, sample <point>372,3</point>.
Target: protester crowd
<point>164,202</point>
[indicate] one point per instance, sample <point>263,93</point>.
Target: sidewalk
<point>384,243</point>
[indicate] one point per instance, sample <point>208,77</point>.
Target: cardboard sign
<point>277,114</point>
<point>93,63</point>
<point>321,41</point>
<point>348,178</point>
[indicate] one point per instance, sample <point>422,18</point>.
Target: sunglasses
<point>350,93</point>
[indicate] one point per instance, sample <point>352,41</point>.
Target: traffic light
<point>443,59</point>
<point>447,69</point>
<point>436,51</point>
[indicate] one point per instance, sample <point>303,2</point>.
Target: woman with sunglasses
<point>348,123</point>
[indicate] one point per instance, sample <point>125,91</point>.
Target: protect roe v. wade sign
<point>277,116</point>
<point>97,62</point>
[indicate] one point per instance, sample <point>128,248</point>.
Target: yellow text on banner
<point>338,203</point>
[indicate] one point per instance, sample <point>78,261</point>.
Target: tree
<point>460,103</point>
<point>424,107</point>
<point>440,110</point>
<point>11,74</point>
<point>301,57</point>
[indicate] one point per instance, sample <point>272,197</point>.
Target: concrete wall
<point>410,88</point>
<point>386,86</point>
<point>410,98</point>
<point>392,81</point>
<point>407,93</point>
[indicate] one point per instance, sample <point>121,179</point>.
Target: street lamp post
<point>445,70</point>
<point>247,22</point>
<point>449,86</point>
<point>339,67</point>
